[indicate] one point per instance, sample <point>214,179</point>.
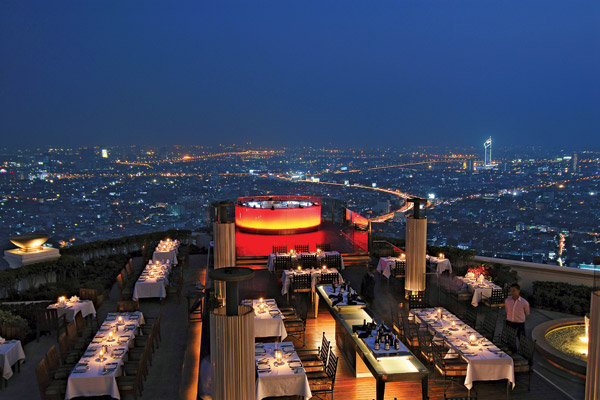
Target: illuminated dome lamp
<point>29,250</point>
<point>30,242</point>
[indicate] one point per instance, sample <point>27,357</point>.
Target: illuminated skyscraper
<point>104,153</point>
<point>487,148</point>
<point>574,163</point>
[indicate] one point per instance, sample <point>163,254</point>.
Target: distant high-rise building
<point>104,153</point>
<point>574,163</point>
<point>487,148</point>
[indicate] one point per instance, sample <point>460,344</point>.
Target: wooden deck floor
<point>348,387</point>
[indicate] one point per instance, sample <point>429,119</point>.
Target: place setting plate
<point>295,364</point>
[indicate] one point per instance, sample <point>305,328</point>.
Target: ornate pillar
<point>232,340</point>
<point>416,249</point>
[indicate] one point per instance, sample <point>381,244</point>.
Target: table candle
<point>299,268</point>
<point>278,356</point>
<point>472,338</point>
<point>441,255</point>
<point>120,319</point>
<point>439,313</point>
<point>324,267</point>
<point>62,299</point>
<point>480,278</point>
<point>110,335</point>
<point>402,256</point>
<point>453,324</point>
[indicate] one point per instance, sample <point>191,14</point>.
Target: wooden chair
<point>470,317</point>
<point>523,360</point>
<point>279,249</point>
<point>47,320</point>
<point>301,283</point>
<point>324,246</point>
<point>488,329</point>
<point>176,288</point>
<point>282,263</point>
<point>508,339</point>
<point>133,383</point>
<point>89,294</point>
<point>129,267</point>
<point>410,331</point>
<point>325,384</point>
<point>295,328</point>
<point>125,291</point>
<point>308,261</point>
<point>52,360</point>
<point>315,359</point>
<point>329,278</point>
<point>496,299</point>
<point>13,332</point>
<point>128,306</point>
<point>49,389</point>
<point>301,248</point>
<point>448,367</point>
<point>399,269</point>
<point>333,261</point>
<point>418,300</point>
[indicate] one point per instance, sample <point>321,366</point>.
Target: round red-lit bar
<point>286,215</point>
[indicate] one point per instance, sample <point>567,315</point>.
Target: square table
<point>386,264</point>
<point>89,377</point>
<point>267,323</point>
<point>153,281</point>
<point>11,352</point>
<point>72,306</point>
<point>485,361</point>
<point>442,264</point>
<point>274,380</point>
<point>479,289</point>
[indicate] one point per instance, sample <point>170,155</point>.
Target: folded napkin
<point>74,299</point>
<point>2,340</point>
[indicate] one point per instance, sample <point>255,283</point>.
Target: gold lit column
<point>416,249</point>
<point>224,240</point>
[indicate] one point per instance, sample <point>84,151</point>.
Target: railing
<point>530,272</point>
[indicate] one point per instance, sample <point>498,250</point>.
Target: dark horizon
<point>361,75</point>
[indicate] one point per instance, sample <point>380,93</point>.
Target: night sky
<point>305,72</point>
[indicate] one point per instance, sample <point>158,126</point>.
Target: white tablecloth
<point>296,258</point>
<point>93,382</point>
<point>166,250</point>
<point>71,308</point>
<point>268,323</point>
<point>442,264</point>
<point>281,379</point>
<point>314,275</point>
<point>11,351</point>
<point>479,289</point>
<point>155,286</point>
<point>386,264</point>
<point>485,361</point>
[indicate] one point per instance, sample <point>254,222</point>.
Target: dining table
<point>386,265</point>
<point>315,274</point>
<point>286,377</point>
<point>96,374</point>
<point>166,250</point>
<point>441,264</point>
<point>485,361</point>
<point>11,352</point>
<point>295,257</point>
<point>153,281</point>
<point>479,287</point>
<point>70,307</point>
<point>268,320</point>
